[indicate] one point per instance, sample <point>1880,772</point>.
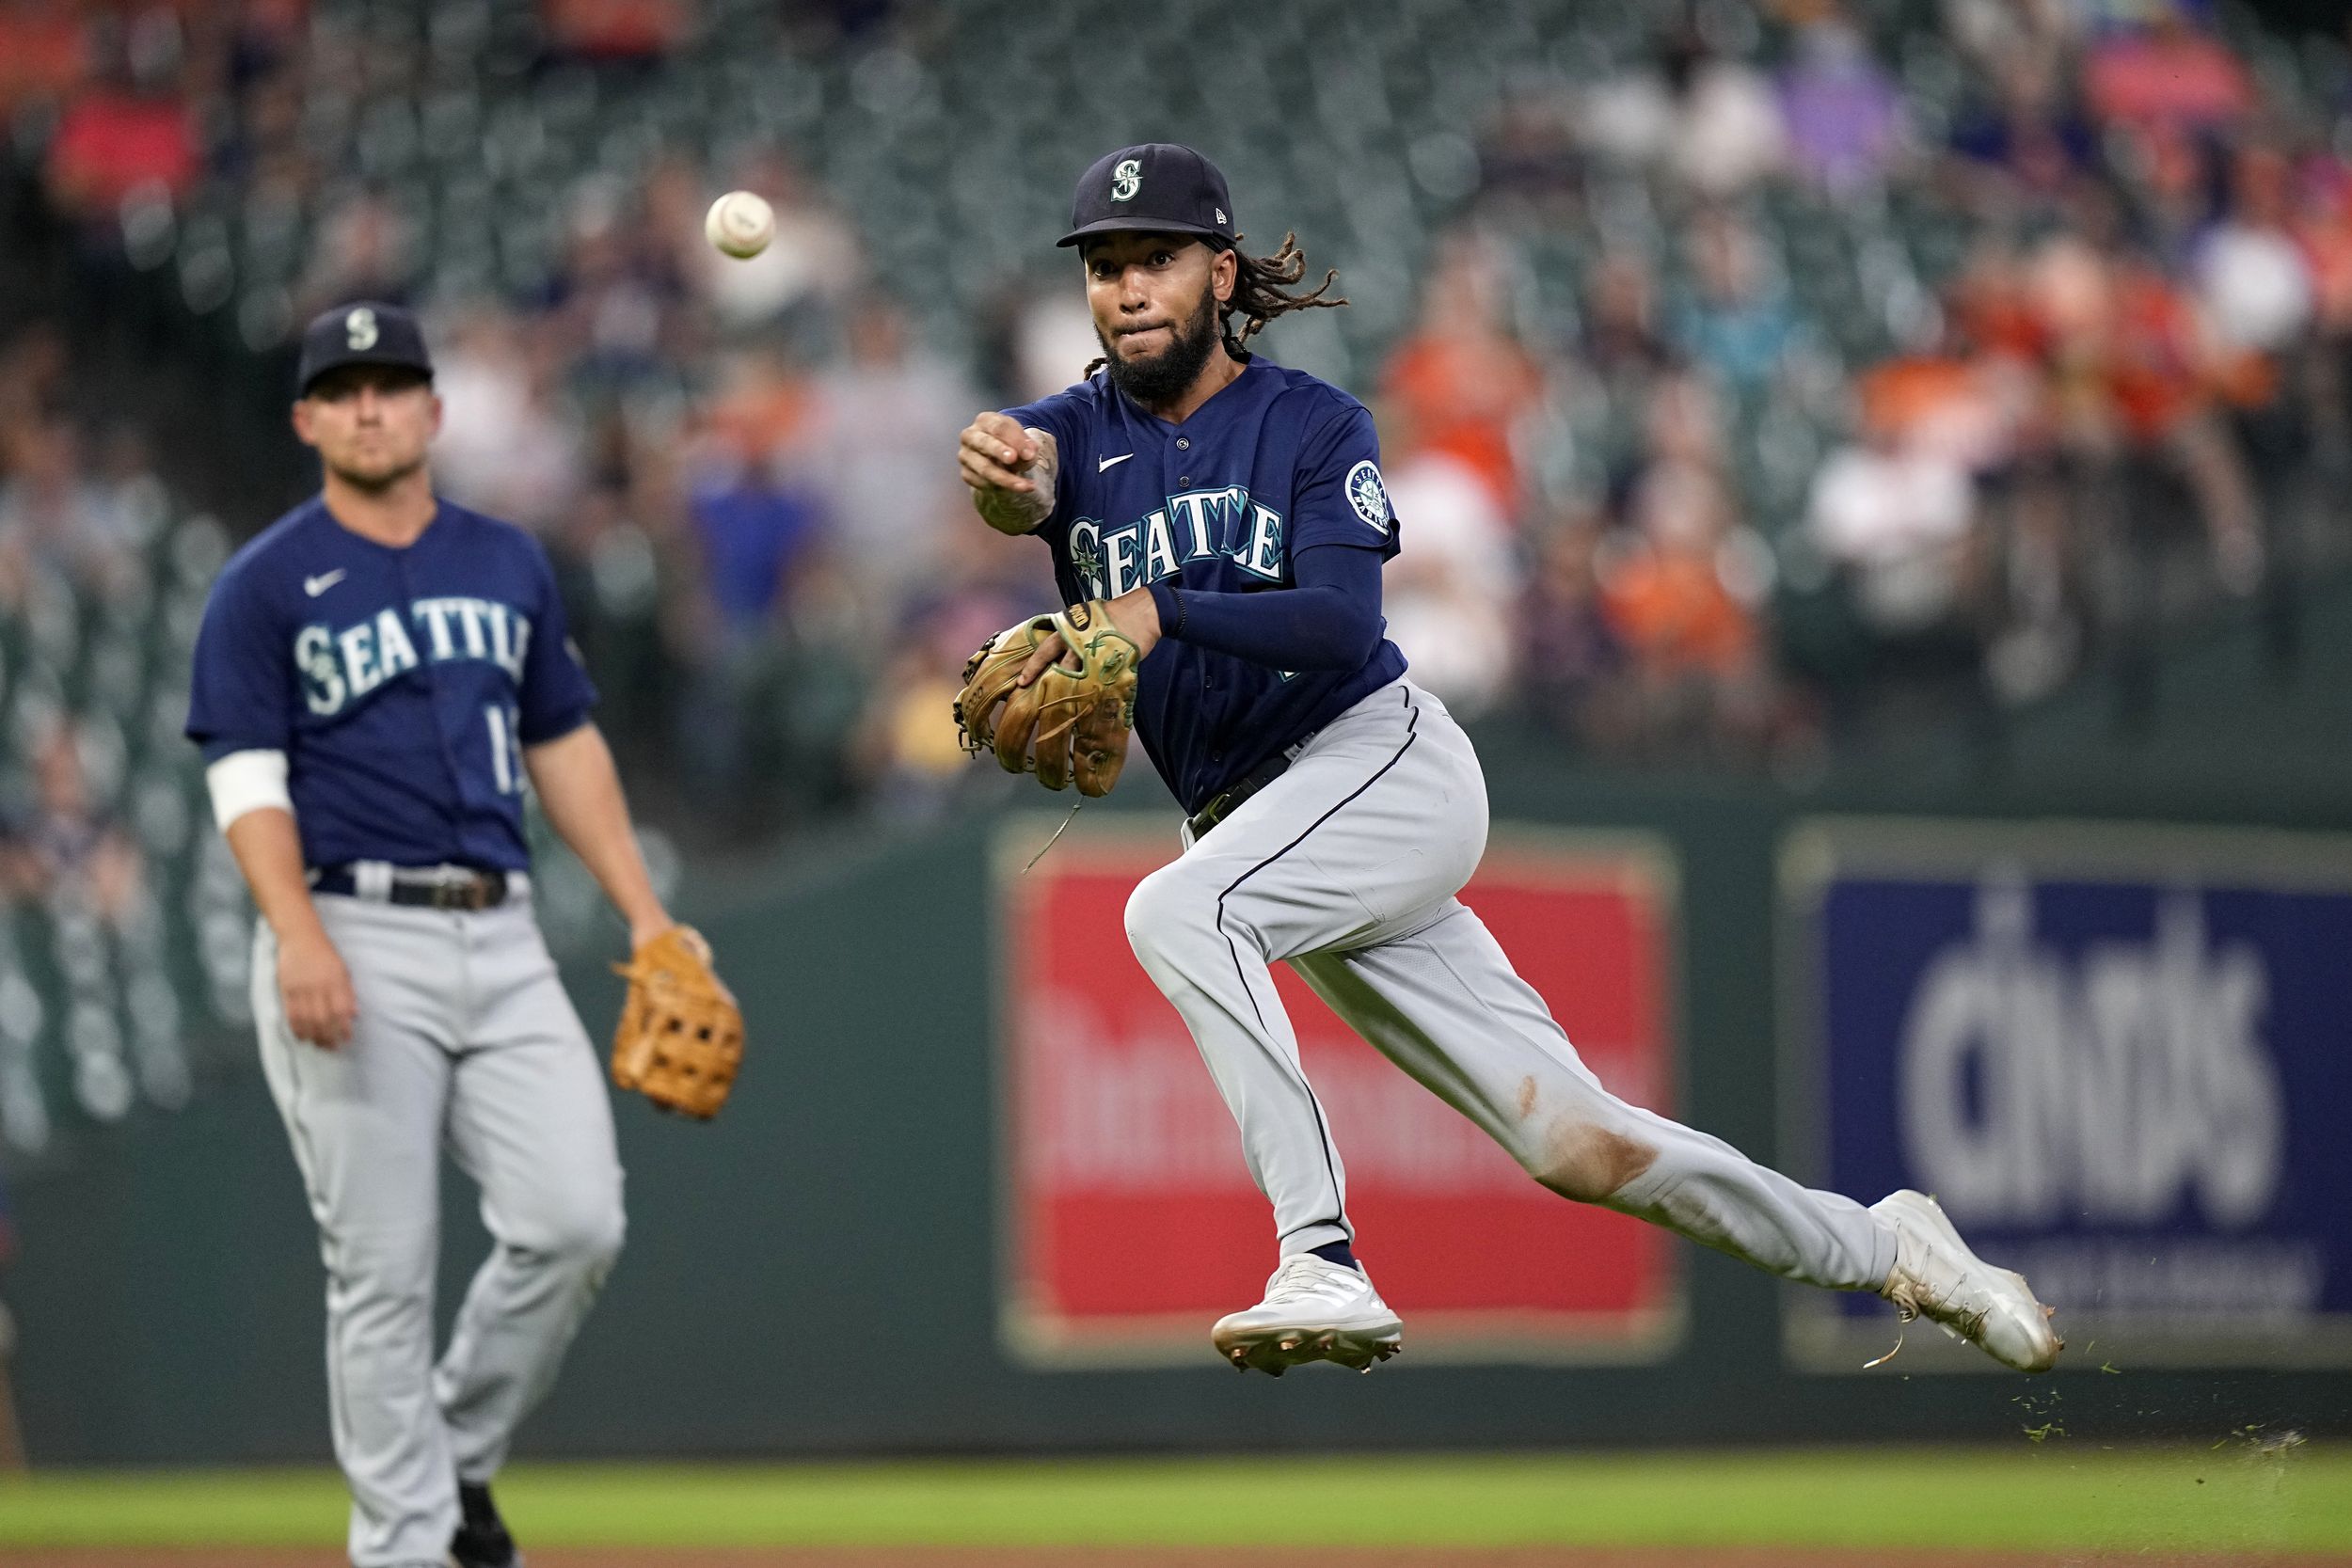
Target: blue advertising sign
<point>2122,1060</point>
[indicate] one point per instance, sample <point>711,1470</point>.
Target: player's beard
<point>1158,380</point>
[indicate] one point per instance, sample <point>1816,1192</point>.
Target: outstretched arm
<point>581,791</point>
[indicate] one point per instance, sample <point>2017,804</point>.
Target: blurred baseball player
<point>1227,516</point>
<point>378,674</point>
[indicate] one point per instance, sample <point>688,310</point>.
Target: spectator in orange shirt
<point>1687,626</point>
<point>1462,382</point>
<point>2149,353</point>
<point>2134,382</point>
<point>121,135</point>
<point>1665,594</point>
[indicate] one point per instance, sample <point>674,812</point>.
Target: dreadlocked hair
<point>1262,292</point>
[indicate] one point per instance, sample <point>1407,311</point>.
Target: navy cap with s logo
<point>364,332</point>
<point>1159,187</point>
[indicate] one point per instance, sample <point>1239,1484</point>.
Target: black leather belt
<point>422,889</point>
<point>1226,802</point>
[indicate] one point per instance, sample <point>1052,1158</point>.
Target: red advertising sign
<point>1131,1222</point>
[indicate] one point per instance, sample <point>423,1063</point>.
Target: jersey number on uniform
<point>506,751</point>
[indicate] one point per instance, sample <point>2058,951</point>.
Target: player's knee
<point>1589,1154</point>
<point>583,1234</point>
<point>596,1239</point>
<point>1165,913</point>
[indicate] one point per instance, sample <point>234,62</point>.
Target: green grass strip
<point>2050,1496</point>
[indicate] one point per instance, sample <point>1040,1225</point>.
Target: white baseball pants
<point>1347,867</point>
<point>464,1036</point>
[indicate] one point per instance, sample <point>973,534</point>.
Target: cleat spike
<point>1936,1276</point>
<point>1314,1310</point>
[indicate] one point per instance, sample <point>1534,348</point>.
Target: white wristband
<point>243,780</point>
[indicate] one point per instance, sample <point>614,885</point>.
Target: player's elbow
<point>246,780</point>
<point>1350,633</point>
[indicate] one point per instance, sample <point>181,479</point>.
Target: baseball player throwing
<point>377,676</point>
<point>1219,523</point>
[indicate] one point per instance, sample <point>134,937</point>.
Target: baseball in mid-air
<point>740,224</point>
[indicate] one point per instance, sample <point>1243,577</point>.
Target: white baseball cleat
<point>1938,1278</point>
<point>1314,1312</point>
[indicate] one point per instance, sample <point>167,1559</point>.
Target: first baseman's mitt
<point>1071,722</point>
<point>680,1037</point>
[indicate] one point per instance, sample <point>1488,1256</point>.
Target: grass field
<point>2230,1502</point>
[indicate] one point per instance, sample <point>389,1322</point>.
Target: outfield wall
<point>831,1265</point>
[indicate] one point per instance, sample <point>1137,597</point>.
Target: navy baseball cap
<point>364,332</point>
<point>1159,187</point>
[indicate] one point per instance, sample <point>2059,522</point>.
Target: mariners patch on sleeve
<point>1368,496</point>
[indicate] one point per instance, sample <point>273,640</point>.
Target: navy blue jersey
<point>402,684</point>
<point>1276,463</point>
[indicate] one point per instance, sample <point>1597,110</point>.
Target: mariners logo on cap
<point>1366,494</point>
<point>1126,180</point>
<point>360,326</point>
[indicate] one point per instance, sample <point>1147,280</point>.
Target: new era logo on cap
<point>1159,187</point>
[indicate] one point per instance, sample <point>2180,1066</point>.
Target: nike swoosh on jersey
<point>324,580</point>
<point>1102,463</point>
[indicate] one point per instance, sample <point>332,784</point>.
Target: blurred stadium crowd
<point>1746,372</point>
